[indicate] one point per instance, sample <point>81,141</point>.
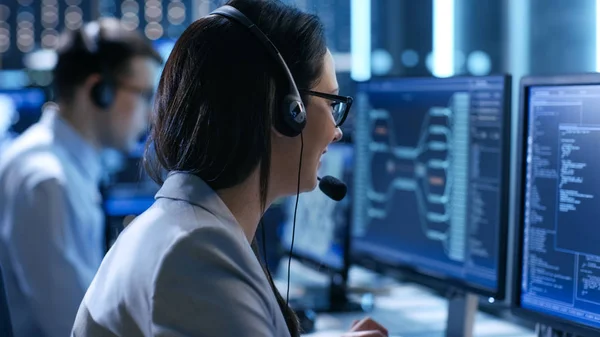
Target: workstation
<point>458,200</point>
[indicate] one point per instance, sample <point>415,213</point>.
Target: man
<point>51,220</point>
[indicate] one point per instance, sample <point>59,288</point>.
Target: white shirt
<point>51,226</point>
<point>182,268</point>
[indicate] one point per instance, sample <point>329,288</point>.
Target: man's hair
<point>99,47</point>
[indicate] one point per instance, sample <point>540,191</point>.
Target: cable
<point>287,297</point>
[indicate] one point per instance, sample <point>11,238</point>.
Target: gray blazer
<point>182,268</point>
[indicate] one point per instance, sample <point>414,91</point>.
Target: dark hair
<point>219,91</point>
<point>110,52</point>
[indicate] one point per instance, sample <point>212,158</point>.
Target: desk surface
<point>411,311</point>
<point>406,310</point>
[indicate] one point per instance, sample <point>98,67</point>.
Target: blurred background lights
<point>4,12</point>
<point>459,59</point>
<point>130,20</point>
<point>49,16</point>
<point>153,30</point>
<point>25,2</point>
<point>176,13</point>
<point>50,38</point>
<point>130,6</point>
<point>382,62</point>
<point>4,37</point>
<point>479,63</point>
<point>409,58</point>
<point>429,61</point>
<point>43,59</point>
<point>153,13</point>
<point>25,33</point>
<point>73,17</point>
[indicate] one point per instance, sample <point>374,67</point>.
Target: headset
<point>291,119</point>
<point>103,92</point>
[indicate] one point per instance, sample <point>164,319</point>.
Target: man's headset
<point>103,92</point>
<point>291,119</point>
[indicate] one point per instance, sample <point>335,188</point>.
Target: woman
<point>186,267</point>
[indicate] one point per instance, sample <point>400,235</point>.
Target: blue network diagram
<point>432,173</point>
<point>561,256</point>
<point>428,175</point>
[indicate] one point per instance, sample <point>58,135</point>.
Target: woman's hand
<point>366,327</point>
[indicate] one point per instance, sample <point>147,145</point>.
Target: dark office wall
<point>479,29</point>
<point>403,28</point>
<point>562,36</point>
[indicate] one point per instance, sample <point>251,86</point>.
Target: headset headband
<point>294,113</point>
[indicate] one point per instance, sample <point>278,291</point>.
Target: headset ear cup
<point>281,126</point>
<point>292,119</point>
<point>102,95</point>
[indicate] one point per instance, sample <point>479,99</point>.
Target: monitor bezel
<point>436,280</point>
<point>321,266</point>
<point>523,119</point>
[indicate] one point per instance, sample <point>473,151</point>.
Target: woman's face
<point>320,131</point>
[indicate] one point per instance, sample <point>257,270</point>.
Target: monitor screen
<point>20,108</point>
<point>322,225</point>
<point>123,202</point>
<point>131,191</point>
<point>431,175</point>
<point>560,241</point>
<point>163,47</point>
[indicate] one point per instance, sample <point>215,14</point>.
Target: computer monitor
<point>323,226</point>
<point>128,193</point>
<point>131,190</point>
<point>557,263</point>
<point>164,47</point>
<point>431,179</point>
<point>20,108</point>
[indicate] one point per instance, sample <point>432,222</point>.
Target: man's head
<point>105,76</point>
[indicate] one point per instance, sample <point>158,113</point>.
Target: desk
<point>407,310</point>
<point>412,311</point>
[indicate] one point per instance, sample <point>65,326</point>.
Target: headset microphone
<point>333,187</point>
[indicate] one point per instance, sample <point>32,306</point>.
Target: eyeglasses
<point>146,94</point>
<point>340,105</point>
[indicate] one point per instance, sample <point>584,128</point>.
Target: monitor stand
<point>542,330</point>
<point>338,302</point>
<point>338,297</point>
<point>462,308</point>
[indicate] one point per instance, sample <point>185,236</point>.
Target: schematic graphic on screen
<point>434,169</point>
<point>428,175</point>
